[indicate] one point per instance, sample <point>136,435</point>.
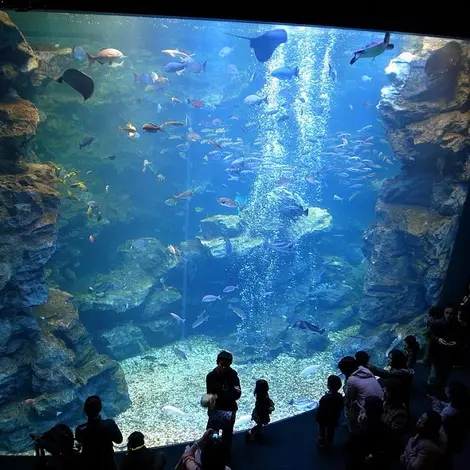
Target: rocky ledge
<point>48,367</point>
<point>426,113</point>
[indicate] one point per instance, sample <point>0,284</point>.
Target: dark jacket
<point>439,353</point>
<point>97,437</point>
<point>264,406</point>
<point>227,388</point>
<point>144,459</point>
<point>329,409</point>
<point>404,375</point>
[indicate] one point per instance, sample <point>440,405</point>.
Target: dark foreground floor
<point>290,444</point>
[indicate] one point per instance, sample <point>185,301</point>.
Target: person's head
<point>212,454</point>
<point>429,424</point>
<point>450,313</point>
<point>394,393</point>
<point>347,365</point>
<point>362,358</point>
<point>436,312</point>
<point>463,316</point>
<point>411,342</point>
<point>261,387</point>
<point>459,395</point>
<point>397,359</point>
<point>135,441</point>
<point>224,361</point>
<point>334,383</point>
<point>373,408</point>
<point>92,407</point>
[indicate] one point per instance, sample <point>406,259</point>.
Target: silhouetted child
<point>264,406</point>
<point>362,358</point>
<point>329,411</point>
<point>412,348</point>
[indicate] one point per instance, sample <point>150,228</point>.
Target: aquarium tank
<point>173,187</point>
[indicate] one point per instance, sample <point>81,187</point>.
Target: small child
<point>263,408</point>
<point>412,348</point>
<point>329,411</point>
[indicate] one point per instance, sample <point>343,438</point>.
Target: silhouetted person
<point>412,349</point>
<point>96,437</point>
<point>435,313</point>
<point>395,415</point>
<point>426,450</point>
<point>264,406</point>
<point>362,358</point>
<point>398,370</point>
<point>455,415</point>
<point>369,444</point>
<point>329,411</point>
<point>139,457</point>
<point>360,384</point>
<point>446,335</point>
<point>223,383</point>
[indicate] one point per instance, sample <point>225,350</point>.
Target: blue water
<point>318,141</point>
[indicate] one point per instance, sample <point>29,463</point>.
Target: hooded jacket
<point>360,385</point>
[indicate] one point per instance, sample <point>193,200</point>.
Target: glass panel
<point>170,188</point>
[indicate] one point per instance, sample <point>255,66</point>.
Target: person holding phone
<point>445,337</point>
<point>223,384</point>
<point>205,454</point>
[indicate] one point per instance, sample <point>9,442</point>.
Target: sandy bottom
<point>170,380</point>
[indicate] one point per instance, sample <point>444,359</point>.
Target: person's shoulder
<point>212,373</point>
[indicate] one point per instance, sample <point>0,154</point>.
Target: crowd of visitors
<point>375,403</point>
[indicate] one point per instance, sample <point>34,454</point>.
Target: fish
<point>172,410</point>
<point>86,141</point>
<point>79,53</point>
<point>307,326</point>
<point>227,202</point>
<point>304,404</point>
<point>309,370</point>
<point>394,344</point>
<point>242,420</point>
<point>106,55</point>
<point>199,321</point>
<point>143,78</point>
<point>152,128</point>
<point>180,353</point>
<point>255,100</point>
<point>285,73</point>
<point>174,67</point>
<point>176,52</point>
<point>280,246</point>
<point>178,318</point>
<point>265,45</point>
<point>79,81</point>
<point>211,298</point>
<point>238,312</point>
<point>225,51</point>
<point>230,289</point>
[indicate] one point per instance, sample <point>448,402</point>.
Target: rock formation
<point>47,362</point>
<point>417,214</point>
<point>29,203</point>
<point>48,366</point>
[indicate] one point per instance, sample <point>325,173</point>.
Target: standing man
<point>224,386</point>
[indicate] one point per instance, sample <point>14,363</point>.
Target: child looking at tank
<point>264,406</point>
<point>329,411</point>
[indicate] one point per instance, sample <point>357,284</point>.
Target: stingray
<point>79,81</point>
<point>265,45</point>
